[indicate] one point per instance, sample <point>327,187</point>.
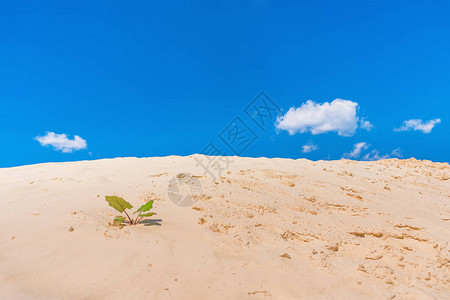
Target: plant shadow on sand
<point>150,222</point>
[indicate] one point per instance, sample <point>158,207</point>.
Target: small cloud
<point>309,147</point>
<point>418,124</point>
<point>357,149</point>
<point>338,116</point>
<point>60,142</point>
<point>365,125</point>
<point>373,154</point>
<point>397,153</point>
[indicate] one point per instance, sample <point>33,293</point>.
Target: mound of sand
<point>267,228</point>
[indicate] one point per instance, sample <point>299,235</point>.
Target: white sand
<point>397,210</point>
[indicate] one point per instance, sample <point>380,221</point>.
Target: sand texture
<point>267,229</point>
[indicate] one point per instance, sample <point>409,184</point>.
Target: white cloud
<point>61,142</point>
<point>373,154</point>
<point>357,149</point>
<point>365,125</point>
<point>309,147</point>
<point>418,124</point>
<point>397,153</point>
<point>339,116</point>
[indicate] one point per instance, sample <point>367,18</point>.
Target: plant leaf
<point>148,214</point>
<point>118,203</point>
<point>118,220</point>
<point>146,207</point>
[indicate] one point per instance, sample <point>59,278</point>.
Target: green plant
<point>121,205</point>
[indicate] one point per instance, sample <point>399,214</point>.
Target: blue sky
<point>167,77</point>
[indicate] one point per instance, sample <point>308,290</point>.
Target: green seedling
<point>121,205</point>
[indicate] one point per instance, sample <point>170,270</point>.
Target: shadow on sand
<point>156,222</point>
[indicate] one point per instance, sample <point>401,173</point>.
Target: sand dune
<point>268,228</point>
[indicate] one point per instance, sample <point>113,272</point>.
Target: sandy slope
<point>345,229</point>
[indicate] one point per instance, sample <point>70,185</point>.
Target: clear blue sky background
<point>166,77</point>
